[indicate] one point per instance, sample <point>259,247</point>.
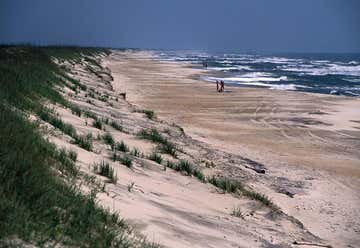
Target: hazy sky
<point>231,25</point>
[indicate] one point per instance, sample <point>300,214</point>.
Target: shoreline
<point>311,141</point>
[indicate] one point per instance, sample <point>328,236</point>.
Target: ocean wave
<point>229,68</point>
<point>252,77</point>
<point>328,69</point>
<point>244,80</point>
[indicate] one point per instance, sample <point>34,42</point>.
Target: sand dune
<point>230,135</point>
<point>308,143</point>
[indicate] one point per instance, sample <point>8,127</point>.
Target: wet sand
<point>308,143</point>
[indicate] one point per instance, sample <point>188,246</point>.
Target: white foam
<point>228,68</point>
<point>328,69</point>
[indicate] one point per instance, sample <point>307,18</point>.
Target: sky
<point>208,25</point>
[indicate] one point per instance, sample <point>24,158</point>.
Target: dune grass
<point>109,139</point>
<point>37,205</point>
<point>121,146</point>
<point>127,161</point>
<point>40,202</point>
<point>135,152</point>
<point>97,124</point>
<point>104,169</point>
<point>116,125</point>
<point>123,159</point>
<point>155,157</point>
<point>150,114</point>
<point>187,168</point>
<point>234,186</point>
<point>155,136</point>
<point>84,141</point>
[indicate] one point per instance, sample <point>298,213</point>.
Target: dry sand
<point>309,143</point>
<point>312,169</point>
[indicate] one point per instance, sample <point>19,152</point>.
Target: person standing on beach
<point>217,86</point>
<point>222,86</point>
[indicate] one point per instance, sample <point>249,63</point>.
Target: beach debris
<point>255,166</point>
<point>311,244</point>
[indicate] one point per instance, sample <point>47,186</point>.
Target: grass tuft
<point>116,125</point>
<point>135,152</point>
<point>122,147</point>
<point>150,114</point>
<point>155,157</point>
<point>125,160</point>
<point>236,212</point>
<point>84,141</point>
<point>104,169</point>
<point>109,139</point>
<point>165,145</point>
<point>97,124</point>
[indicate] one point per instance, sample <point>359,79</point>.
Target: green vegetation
<point>104,169</point>
<point>97,124</point>
<point>185,167</point>
<point>67,161</point>
<point>47,115</point>
<point>125,160</point>
<point>40,203</point>
<point>116,125</point>
<point>37,205</point>
<point>165,145</point>
<point>233,186</point>
<point>228,185</point>
<point>108,139</point>
<point>84,141</point>
<point>155,157</point>
<point>236,212</point>
<point>135,152</point>
<point>150,114</point>
<point>122,147</point>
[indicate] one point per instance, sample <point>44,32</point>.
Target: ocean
<point>337,74</point>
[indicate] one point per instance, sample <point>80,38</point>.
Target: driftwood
<point>311,244</point>
<point>257,169</point>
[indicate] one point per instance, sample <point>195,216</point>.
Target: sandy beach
<point>293,154</point>
<point>307,143</point>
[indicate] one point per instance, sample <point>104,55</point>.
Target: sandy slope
<point>166,206</point>
<point>308,143</point>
